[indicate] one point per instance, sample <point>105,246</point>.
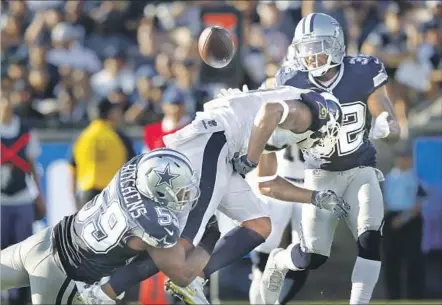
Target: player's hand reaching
<point>381,128</point>
<point>242,165</point>
<point>230,91</point>
<point>328,200</point>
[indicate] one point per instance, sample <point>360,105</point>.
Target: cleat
<point>272,279</point>
<point>191,295</point>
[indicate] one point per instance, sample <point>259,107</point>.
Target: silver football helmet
<point>317,34</point>
<point>167,177</point>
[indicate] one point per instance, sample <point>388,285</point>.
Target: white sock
<point>364,278</point>
<point>284,260</point>
<point>254,292</point>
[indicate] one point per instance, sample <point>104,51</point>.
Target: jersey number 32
<point>352,130</point>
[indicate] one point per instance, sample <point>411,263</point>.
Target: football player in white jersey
<point>212,141</point>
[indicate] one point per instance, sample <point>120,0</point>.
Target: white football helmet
<point>167,177</point>
<point>317,34</point>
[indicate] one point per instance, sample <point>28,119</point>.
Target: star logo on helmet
<point>165,177</point>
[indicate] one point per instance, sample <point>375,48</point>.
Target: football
<point>216,47</point>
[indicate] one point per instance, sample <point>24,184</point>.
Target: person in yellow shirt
<point>99,152</point>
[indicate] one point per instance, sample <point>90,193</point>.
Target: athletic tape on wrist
<point>266,178</point>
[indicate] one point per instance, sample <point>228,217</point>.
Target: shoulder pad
<point>160,227</point>
<point>372,68</point>
<point>286,72</point>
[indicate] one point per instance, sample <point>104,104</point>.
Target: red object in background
<point>152,290</point>
<point>154,133</point>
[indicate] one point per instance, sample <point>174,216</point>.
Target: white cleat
<point>272,279</point>
<point>192,294</point>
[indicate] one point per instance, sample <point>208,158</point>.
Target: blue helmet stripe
<point>312,20</point>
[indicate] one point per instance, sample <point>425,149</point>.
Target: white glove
<point>93,295</point>
<point>381,129</point>
<point>230,91</point>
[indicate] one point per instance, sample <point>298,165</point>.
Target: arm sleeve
<point>141,268</point>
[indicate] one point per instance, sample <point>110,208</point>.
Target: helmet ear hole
<point>160,194</point>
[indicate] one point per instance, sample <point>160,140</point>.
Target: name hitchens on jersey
<point>131,197</point>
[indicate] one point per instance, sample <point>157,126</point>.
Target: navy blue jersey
<point>93,242</point>
<point>357,78</point>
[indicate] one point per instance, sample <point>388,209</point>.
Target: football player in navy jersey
<point>133,222</point>
<point>318,61</point>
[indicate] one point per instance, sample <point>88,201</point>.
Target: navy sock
<point>293,284</point>
<point>234,245</point>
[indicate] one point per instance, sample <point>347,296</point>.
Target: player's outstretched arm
<point>272,185</point>
<point>385,126</point>
<point>292,115</point>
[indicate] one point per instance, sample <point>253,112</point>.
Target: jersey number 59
<point>104,223</point>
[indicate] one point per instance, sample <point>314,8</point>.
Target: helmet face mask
<point>322,48</point>
<point>329,134</point>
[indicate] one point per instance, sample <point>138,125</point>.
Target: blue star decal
<point>165,177</point>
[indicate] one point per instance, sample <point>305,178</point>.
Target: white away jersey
<point>237,113</point>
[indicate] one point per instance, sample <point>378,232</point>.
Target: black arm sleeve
<point>138,270</point>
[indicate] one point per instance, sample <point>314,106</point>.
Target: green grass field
<point>344,302</point>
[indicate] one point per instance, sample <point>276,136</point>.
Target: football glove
<point>328,200</point>
<point>94,295</point>
<point>381,128</point>
<point>230,91</point>
<point>242,165</point>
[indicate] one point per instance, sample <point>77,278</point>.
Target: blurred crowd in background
<point>58,58</point>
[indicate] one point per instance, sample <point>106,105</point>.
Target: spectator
<point>117,96</point>
<point>43,23</point>
<point>430,53</point>
<point>17,70</point>
<point>402,229</point>
<point>75,15</point>
<point>21,202</point>
<point>115,74</point>
<point>99,153</point>
<point>40,84</point>
<point>37,60</point>
<point>147,47</point>
<point>277,28</point>
<point>70,110</point>
<point>163,65</point>
<point>175,118</point>
<point>147,97</point>
<point>22,99</point>
<point>69,52</point>
<point>185,72</point>
<point>389,41</point>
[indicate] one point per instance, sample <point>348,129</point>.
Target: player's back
<point>237,112</point>
<point>357,78</point>
<point>92,243</point>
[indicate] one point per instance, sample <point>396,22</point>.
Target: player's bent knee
<point>369,245</point>
<point>262,226</point>
<point>304,260</point>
